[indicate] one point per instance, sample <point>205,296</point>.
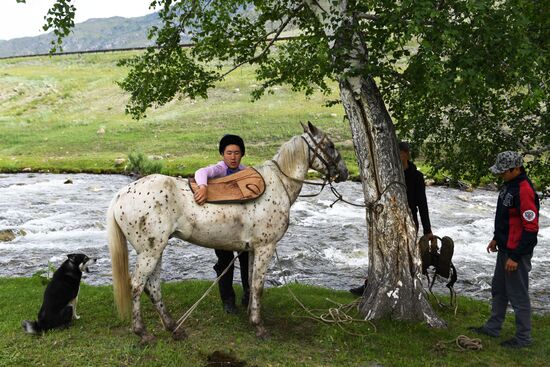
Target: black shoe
<point>358,291</point>
<point>514,344</point>
<point>482,330</point>
<point>230,308</point>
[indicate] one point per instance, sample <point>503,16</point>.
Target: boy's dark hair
<point>404,146</point>
<point>229,139</point>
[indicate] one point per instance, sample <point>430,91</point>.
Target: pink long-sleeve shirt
<point>216,170</point>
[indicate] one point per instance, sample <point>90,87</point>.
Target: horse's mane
<point>291,152</point>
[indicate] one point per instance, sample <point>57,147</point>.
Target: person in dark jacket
<point>514,238</point>
<point>416,198</point>
<point>231,149</point>
<point>416,190</point>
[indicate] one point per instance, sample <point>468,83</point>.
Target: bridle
<point>327,179</point>
<point>317,149</point>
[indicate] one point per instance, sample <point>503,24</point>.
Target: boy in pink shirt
<point>232,150</point>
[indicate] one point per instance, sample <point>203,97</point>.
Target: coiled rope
<point>334,315</point>
<point>463,342</point>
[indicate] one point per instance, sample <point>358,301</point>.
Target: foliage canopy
<point>463,79</point>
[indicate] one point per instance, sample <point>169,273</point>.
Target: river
<point>323,246</point>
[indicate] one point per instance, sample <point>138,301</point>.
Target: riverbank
<point>100,339</point>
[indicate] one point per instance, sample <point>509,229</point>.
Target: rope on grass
<point>196,304</point>
<point>334,315</point>
<point>463,342</point>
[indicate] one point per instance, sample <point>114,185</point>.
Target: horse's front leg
<point>262,257</point>
<point>250,276</point>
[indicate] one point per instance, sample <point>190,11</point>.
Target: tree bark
<point>394,286</point>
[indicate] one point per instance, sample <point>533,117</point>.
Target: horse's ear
<point>304,127</point>
<point>312,128</point>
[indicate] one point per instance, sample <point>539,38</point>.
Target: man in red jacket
<point>515,236</point>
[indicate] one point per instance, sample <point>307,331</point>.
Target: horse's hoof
<point>179,334</point>
<point>147,339</point>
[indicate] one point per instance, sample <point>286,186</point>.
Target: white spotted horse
<point>148,212</point>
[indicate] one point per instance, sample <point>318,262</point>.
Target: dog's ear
<point>73,257</point>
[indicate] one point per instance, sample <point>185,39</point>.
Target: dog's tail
<point>119,260</point>
<point>30,327</point>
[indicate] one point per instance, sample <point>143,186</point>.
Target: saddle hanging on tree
<point>440,260</point>
<point>241,186</point>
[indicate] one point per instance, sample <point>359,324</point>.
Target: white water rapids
<point>323,246</point>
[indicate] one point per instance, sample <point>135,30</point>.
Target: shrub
<point>140,165</point>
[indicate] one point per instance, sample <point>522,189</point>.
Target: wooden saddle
<point>440,259</point>
<point>242,186</point>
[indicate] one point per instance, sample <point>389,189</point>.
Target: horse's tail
<point>119,261</point>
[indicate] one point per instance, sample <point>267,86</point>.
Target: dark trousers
<point>225,284</point>
<point>511,287</point>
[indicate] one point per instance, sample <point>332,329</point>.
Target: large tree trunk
<point>394,286</point>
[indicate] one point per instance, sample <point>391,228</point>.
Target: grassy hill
<point>52,109</point>
<point>93,34</point>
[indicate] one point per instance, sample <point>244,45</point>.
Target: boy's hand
<point>510,265</point>
<point>492,246</point>
<point>201,195</point>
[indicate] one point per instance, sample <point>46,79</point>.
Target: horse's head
<point>323,156</point>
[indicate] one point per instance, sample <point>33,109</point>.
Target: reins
<point>323,184</point>
<point>326,180</point>
<point>372,205</point>
<point>196,304</point>
<point>317,148</point>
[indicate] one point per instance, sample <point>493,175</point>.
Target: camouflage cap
<point>506,161</point>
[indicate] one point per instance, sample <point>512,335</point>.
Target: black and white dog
<point>59,305</point>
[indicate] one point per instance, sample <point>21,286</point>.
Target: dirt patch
<point>222,359</point>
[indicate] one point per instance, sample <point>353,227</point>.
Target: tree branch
<point>367,16</point>
<point>319,6</point>
<point>537,152</point>
<point>272,41</point>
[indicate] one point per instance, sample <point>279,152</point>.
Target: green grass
<point>52,108</point>
<point>99,338</point>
